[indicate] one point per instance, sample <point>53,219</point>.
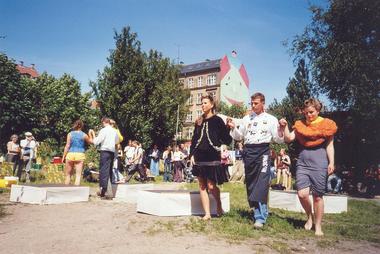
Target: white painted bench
<point>176,202</point>
<point>288,200</point>
<point>49,194</point>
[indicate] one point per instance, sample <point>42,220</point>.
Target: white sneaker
<point>258,225</point>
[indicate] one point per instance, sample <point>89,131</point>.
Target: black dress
<point>205,147</point>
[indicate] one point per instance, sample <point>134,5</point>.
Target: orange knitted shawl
<point>314,134</point>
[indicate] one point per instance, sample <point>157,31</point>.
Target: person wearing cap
<point>13,155</point>
<point>28,153</point>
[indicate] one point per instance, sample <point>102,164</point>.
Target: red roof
<point>30,71</point>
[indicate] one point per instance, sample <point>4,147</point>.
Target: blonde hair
<point>312,102</point>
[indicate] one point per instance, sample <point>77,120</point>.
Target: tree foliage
<point>47,106</point>
<point>298,90</point>
<point>140,91</point>
<point>235,111</point>
<point>342,47</point>
<point>14,106</point>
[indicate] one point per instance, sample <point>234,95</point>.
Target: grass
<point>361,222</point>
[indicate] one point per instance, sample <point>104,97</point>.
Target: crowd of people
<point>207,158</point>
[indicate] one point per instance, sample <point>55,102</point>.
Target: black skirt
<point>216,174</point>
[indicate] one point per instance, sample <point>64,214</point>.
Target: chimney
<point>22,63</point>
<point>33,65</point>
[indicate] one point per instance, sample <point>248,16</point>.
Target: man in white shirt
<point>257,130</point>
<point>28,153</point>
<point>106,140</point>
<point>137,163</point>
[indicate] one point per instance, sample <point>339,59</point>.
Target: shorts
<point>72,156</point>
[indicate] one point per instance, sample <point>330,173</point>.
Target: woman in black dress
<point>209,134</point>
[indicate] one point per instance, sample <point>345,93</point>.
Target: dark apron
<point>257,172</point>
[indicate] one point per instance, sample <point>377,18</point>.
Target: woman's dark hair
<point>199,121</point>
<point>78,125</point>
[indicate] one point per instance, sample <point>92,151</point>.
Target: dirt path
<point>101,226</point>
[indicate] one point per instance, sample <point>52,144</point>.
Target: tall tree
<point>298,90</point>
<point>15,107</point>
<point>58,103</point>
<point>140,91</point>
<point>342,46</point>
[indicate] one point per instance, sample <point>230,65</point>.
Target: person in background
<point>315,134</point>
<point>177,161</point>
<point>225,160</point>
<point>154,156</point>
<point>129,152</point>
<point>283,169</point>
<point>273,164</point>
<point>13,155</point>
<point>28,153</point>
<point>238,172</point>
<point>167,157</point>
<point>334,179</point>
<point>137,163</point>
<point>117,176</point>
<point>74,152</point>
<point>210,133</point>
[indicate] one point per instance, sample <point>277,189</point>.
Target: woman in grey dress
<point>316,160</point>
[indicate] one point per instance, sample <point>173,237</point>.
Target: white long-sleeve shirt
<point>257,129</point>
<point>107,139</point>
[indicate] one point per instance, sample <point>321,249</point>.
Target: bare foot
<point>318,231</point>
<point>309,224</point>
<point>206,217</point>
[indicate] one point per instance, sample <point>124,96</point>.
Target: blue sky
<point>75,36</point>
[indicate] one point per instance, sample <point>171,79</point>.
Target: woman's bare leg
<point>303,196</point>
<point>318,212</point>
<point>204,197</point>
<point>68,171</point>
<point>78,172</point>
<point>215,191</point>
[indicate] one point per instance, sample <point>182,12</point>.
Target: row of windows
<point>190,101</point>
<point>188,134</point>
<point>210,81</point>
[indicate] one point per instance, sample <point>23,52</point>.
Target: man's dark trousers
<point>106,162</point>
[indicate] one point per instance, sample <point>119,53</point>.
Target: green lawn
<point>361,222</point>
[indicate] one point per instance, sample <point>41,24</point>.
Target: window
<point>200,79</point>
<point>189,117</point>
<point>213,94</point>
<point>190,82</point>
<point>199,98</point>
<point>199,113</point>
<point>190,100</point>
<point>211,80</point>
<point>189,134</point>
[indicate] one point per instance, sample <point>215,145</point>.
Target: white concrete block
<point>177,203</point>
<point>49,194</point>
<point>288,200</point>
<point>128,193</point>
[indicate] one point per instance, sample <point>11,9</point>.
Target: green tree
<point>140,91</point>
<point>236,110</point>
<point>342,47</point>
<point>15,107</point>
<point>298,90</point>
<point>58,103</point>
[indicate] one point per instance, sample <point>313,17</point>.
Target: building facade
<point>225,79</point>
